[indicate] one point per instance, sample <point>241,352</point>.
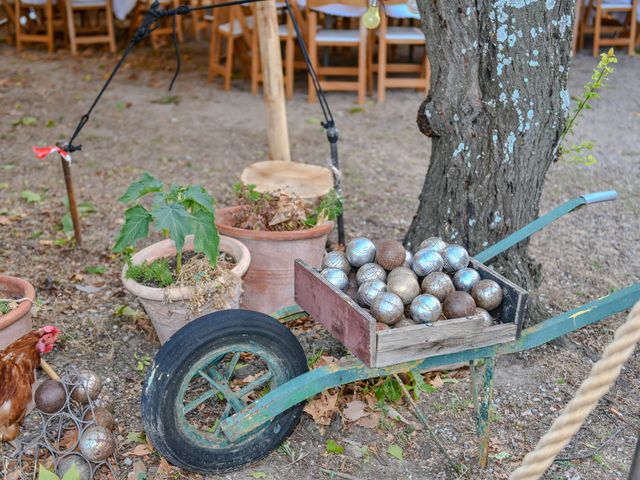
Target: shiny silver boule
<point>408,259</point>
<point>387,308</point>
<point>426,261</point>
<point>487,294</point>
<point>82,466</point>
<point>455,258</point>
<point>425,308</point>
<point>360,250</point>
<point>405,286</point>
<point>438,284</point>
<point>370,271</point>
<point>486,316</point>
<point>433,243</point>
<point>465,279</point>
<point>89,384</point>
<point>97,443</point>
<point>336,277</point>
<point>338,260</point>
<point>368,291</point>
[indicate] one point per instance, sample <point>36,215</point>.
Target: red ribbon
<point>42,152</point>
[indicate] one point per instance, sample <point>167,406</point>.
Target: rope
<point>602,377</point>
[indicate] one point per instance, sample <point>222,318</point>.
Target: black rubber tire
<point>181,353</point>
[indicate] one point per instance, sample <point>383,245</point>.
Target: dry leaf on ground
<point>355,410</point>
<point>323,408</point>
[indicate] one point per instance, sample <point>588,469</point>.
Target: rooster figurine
<point>17,374</point>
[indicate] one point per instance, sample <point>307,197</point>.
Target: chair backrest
<point>351,3</point>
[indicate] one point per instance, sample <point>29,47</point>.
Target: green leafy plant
<point>581,152</point>
<point>143,361</point>
<point>4,307</point>
<point>177,212</point>
<point>333,447</point>
<point>72,474</point>
<point>329,208</point>
<point>155,273</point>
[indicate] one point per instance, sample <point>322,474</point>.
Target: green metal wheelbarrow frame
<point>350,370</point>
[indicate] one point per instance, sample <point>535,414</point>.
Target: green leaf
<point>27,121</point>
<point>258,474</point>
<point>31,197</point>
<point>206,238</point>
<point>333,447</point>
<point>96,269</point>
<point>137,437</point>
<point>169,99</point>
<point>44,474</point>
<point>140,188</point>
<point>174,218</point>
<point>136,226</point>
<point>72,473</point>
<point>395,451</point>
<point>67,224</point>
<point>502,455</point>
<point>195,196</point>
<point>51,123</point>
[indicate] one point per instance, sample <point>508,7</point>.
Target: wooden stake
<point>48,370</point>
<point>273,83</point>
<point>73,207</point>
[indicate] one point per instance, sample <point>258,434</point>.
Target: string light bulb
<point>371,19</point>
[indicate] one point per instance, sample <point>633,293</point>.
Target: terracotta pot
<point>169,308</point>
<point>17,322</point>
<point>268,285</point>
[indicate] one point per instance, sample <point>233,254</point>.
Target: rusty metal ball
<point>405,286</point>
<point>486,316</point>
<point>387,308</point>
<point>487,294</point>
<point>336,277</point>
<point>360,250</point>
<point>370,290</point>
<point>336,259</point>
<point>426,261</point>
<point>390,254</point>
<point>370,271</point>
<point>425,308</point>
<point>438,284</point>
<point>454,258</point>
<point>405,322</point>
<point>433,243</point>
<point>100,416</point>
<point>50,396</point>
<point>89,384</point>
<point>97,443</point>
<point>465,279</point>
<point>82,466</point>
<point>381,326</point>
<point>458,304</point>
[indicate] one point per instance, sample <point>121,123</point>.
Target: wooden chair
<point>398,35</point>
<point>90,34</point>
<point>28,28</point>
<point>165,26</point>
<point>602,18</point>
<point>330,37</point>
<point>232,26</point>
<point>200,19</point>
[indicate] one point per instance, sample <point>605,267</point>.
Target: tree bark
<point>495,112</point>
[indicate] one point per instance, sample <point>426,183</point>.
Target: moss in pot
<point>199,281</point>
<point>277,228</point>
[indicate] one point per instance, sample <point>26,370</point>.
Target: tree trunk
<point>496,109</point>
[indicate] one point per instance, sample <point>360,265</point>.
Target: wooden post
<point>273,83</point>
<point>73,207</point>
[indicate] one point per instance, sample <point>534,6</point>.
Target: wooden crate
<point>355,328</point>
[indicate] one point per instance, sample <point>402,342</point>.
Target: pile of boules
<point>402,289</point>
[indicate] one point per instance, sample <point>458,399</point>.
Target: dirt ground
<point>208,137</point>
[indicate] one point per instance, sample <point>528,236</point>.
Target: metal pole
<point>73,207</point>
<point>483,415</point>
<point>634,473</point>
<point>332,136</point>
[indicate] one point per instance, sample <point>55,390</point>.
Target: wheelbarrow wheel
<point>210,369</point>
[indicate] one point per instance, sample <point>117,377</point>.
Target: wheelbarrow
<point>229,387</point>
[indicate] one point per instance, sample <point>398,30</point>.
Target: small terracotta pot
<point>16,323</point>
<point>169,308</point>
<point>268,285</point>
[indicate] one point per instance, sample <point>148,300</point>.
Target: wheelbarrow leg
<point>482,404</point>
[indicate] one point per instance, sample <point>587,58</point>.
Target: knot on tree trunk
<point>424,124</point>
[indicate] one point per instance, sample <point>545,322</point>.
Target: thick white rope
<point>602,377</point>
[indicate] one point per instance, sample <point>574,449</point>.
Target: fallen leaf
<point>137,437</point>
<point>395,451</point>
<point>502,455</point>
<point>436,381</point>
<point>30,197</point>
<point>139,451</point>
<point>4,220</point>
<point>88,288</point>
<point>333,447</point>
<point>258,474</point>
<point>322,409</point>
<point>326,360</point>
<point>394,414</point>
<point>69,439</point>
<point>370,421</point>
<point>164,468</point>
<point>355,410</point>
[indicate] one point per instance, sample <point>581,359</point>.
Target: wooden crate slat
<point>488,336</point>
<point>342,317</point>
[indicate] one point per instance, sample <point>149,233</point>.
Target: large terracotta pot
<point>169,308</point>
<point>268,284</point>
<point>16,323</point>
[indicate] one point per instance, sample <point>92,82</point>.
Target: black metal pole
<point>332,135</point>
<point>634,473</point>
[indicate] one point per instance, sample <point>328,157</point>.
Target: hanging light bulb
<point>371,19</point>
<point>412,5</point>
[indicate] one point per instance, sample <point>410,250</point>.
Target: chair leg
<point>596,28</point>
<point>110,29</point>
<point>255,62</point>
<point>382,61</point>
<point>362,64</point>
<point>313,55</point>
<point>71,26</point>
<point>289,53</point>
<point>228,67</point>
<point>213,54</point>
<point>632,28</point>
<point>372,39</point>
<point>18,27</point>
<point>49,12</point>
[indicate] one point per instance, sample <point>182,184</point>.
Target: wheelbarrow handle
<point>543,221</point>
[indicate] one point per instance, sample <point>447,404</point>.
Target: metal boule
<point>82,466</point>
<point>336,259</point>
<point>50,396</point>
<point>405,286</point>
<point>390,254</point>
<point>100,416</point>
<point>401,271</point>
<point>408,259</point>
<point>486,316</point>
<point>360,250</point>
<point>487,294</point>
<point>458,304</point>
<point>97,443</point>
<point>433,243</point>
<point>387,308</point>
<point>425,308</point>
<point>465,279</point>
<point>438,284</point>
<point>336,277</point>
<point>89,384</point>
<point>370,271</point>
<point>405,322</point>
<point>426,261</point>
<point>370,290</point>
<point>455,258</point>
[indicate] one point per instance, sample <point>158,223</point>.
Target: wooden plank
<point>347,322</point>
<point>436,347</point>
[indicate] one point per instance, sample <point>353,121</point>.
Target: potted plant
<point>16,298</point>
<point>192,272</point>
<point>277,228</point>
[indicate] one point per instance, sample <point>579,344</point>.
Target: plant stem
<point>178,263</point>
